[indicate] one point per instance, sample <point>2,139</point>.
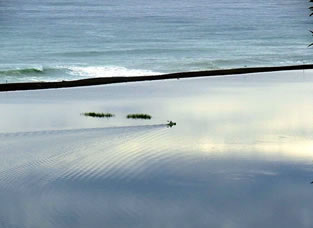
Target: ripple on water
<point>83,155</point>
<point>91,163</point>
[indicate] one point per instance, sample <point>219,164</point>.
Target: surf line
<point>111,80</point>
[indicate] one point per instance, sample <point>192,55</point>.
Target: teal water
<point>66,39</point>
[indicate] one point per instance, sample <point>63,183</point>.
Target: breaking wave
<point>58,73</point>
<point>108,71</point>
<point>26,71</point>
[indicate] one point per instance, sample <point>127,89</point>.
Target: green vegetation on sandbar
<point>98,115</point>
<point>138,116</point>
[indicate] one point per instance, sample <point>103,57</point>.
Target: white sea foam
<point>107,71</point>
<point>67,72</point>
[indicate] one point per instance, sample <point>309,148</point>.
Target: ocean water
<point>240,155</point>
<point>55,40</point>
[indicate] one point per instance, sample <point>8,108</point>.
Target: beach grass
<point>98,114</point>
<point>138,116</point>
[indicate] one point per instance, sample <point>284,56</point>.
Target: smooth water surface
<point>56,40</point>
<point>241,154</point>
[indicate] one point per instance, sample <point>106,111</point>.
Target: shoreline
<point>111,80</point>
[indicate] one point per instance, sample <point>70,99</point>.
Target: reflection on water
<point>241,155</point>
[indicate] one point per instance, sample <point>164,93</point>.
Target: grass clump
<point>138,116</point>
<point>98,115</point>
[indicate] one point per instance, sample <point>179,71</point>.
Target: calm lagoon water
<point>241,154</point>
<point>55,40</point>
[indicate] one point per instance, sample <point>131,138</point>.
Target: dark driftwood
<point>110,80</point>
